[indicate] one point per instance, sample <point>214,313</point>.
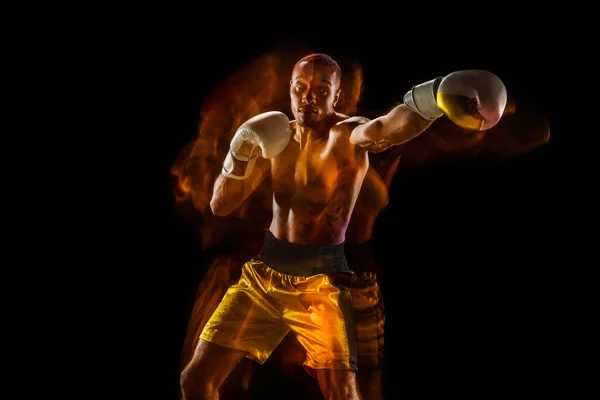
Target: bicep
<point>398,126</point>
<point>365,130</point>
<point>368,136</point>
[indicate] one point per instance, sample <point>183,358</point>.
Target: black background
<point>470,292</point>
<point>474,296</point>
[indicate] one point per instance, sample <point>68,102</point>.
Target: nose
<point>308,97</point>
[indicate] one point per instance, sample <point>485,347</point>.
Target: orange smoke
<point>263,85</point>
<point>519,132</point>
<point>255,88</point>
<point>259,86</point>
<point>224,272</point>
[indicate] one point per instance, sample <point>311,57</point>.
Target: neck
<point>305,135</point>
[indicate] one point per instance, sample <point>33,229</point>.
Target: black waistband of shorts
<point>361,257</point>
<point>302,260</point>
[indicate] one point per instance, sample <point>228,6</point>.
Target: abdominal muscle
<point>314,215</point>
<point>296,226</point>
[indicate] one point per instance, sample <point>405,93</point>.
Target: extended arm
<point>473,100</point>
<point>398,126</point>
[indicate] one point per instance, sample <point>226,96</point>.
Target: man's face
<point>314,92</point>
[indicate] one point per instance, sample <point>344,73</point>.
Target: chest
<point>311,171</point>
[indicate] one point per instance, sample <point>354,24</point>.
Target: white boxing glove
<point>472,99</point>
<point>264,135</point>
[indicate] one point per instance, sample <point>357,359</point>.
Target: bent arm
<point>229,193</point>
<point>398,126</point>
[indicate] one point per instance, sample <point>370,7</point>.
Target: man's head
<point>314,88</point>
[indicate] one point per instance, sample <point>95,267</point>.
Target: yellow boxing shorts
<point>259,310</point>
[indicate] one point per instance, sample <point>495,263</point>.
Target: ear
<point>336,97</point>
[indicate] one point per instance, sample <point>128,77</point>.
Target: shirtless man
<point>300,280</point>
<point>367,297</point>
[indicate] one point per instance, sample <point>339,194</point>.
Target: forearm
<point>398,126</point>
<point>227,195</point>
<point>257,141</point>
<point>230,193</point>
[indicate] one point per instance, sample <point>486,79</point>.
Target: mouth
<point>307,110</point>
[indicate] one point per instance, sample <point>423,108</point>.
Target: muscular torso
<point>316,184</point>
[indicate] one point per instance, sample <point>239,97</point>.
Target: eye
<point>300,86</point>
<point>324,90</point>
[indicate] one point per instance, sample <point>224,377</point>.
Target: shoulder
<point>345,120</point>
<point>345,124</point>
<point>341,132</point>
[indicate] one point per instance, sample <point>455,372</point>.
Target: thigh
<point>247,319</point>
<point>320,312</point>
<point>211,364</point>
<point>223,273</point>
<point>338,384</point>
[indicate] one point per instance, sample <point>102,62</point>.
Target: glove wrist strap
<point>422,99</point>
<point>229,164</point>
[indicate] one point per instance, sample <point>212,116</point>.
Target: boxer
<point>300,281</point>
